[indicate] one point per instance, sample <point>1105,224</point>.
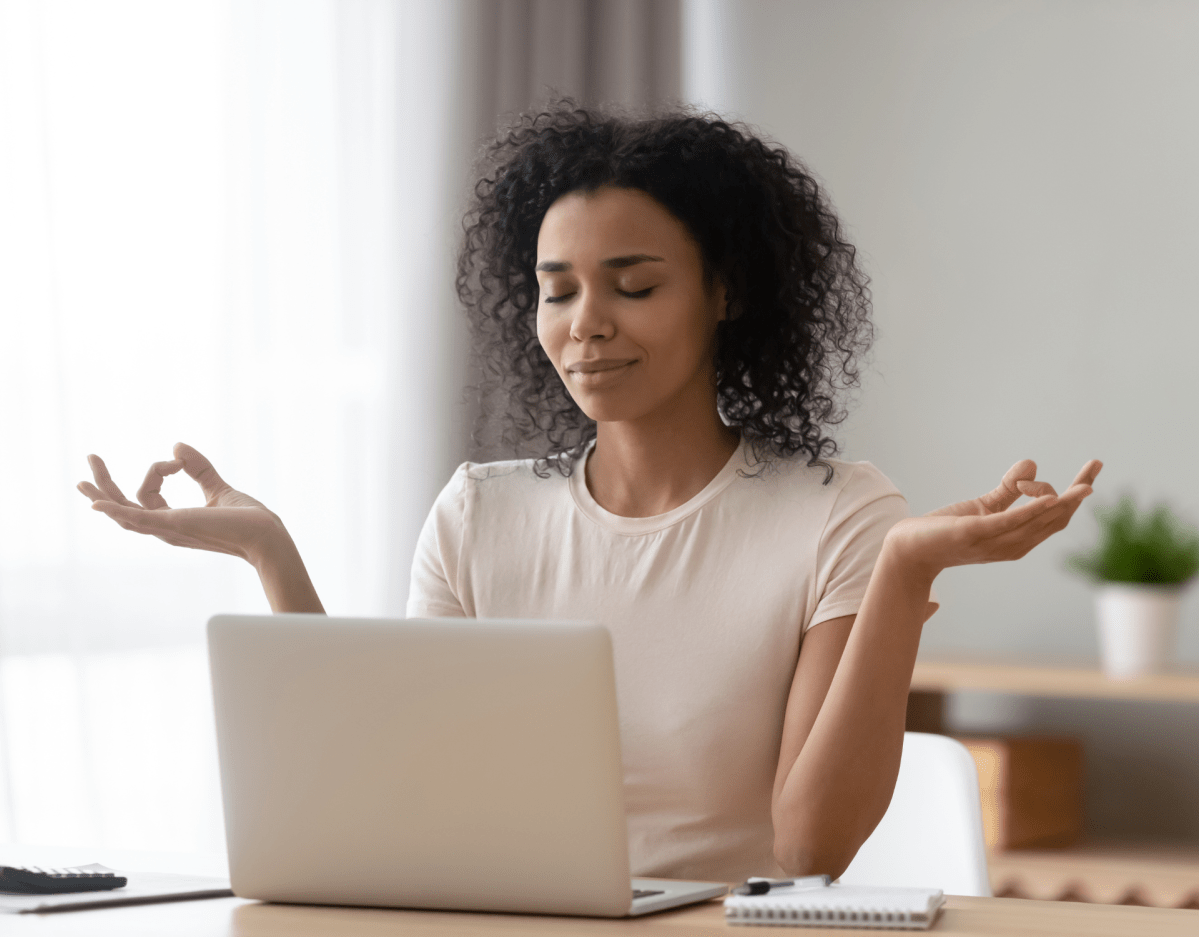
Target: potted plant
<point>1142,564</point>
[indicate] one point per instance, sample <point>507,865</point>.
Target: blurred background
<point>232,223</point>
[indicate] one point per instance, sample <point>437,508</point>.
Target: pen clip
<point>760,886</point>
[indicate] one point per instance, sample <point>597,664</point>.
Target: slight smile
<point>599,371</point>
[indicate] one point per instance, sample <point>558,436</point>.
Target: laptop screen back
<point>445,763</point>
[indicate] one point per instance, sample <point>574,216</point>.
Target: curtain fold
<point>623,52</point>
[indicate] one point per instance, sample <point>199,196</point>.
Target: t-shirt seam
<point>838,610</point>
<point>599,523</point>
<point>595,522</point>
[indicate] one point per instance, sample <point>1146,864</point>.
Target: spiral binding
<point>778,914</point>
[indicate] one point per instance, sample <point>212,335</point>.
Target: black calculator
<point>32,880</point>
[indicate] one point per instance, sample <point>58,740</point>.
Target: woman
<point>672,305</point>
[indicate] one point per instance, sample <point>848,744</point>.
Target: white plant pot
<point>1138,625</point>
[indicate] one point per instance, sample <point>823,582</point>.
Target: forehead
<point>583,226</point>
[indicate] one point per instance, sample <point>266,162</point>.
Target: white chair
<point>932,833</point>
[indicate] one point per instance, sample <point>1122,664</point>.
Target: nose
<point>591,319</point>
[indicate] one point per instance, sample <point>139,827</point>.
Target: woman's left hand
<point>984,530</point>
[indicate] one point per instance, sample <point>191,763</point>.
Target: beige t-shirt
<point>706,606</point>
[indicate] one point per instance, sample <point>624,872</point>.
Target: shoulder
<point>829,480</point>
<point>826,497</point>
<point>857,481</point>
<point>864,502</point>
<point>494,484</point>
<point>507,477</point>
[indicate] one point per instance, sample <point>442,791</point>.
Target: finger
<point>134,517</point>
<point>1089,473</point>
<point>1001,523</point>
<point>1006,494</point>
<point>1035,489</point>
<point>149,493</point>
<point>1038,527</point>
<point>1077,493</point>
<point>113,510</point>
<point>199,468</point>
<point>91,491</point>
<point>104,481</point>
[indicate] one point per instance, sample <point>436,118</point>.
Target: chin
<point>612,410</point>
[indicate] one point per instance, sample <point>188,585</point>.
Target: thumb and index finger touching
<point>1008,490</point>
<point>200,469</point>
<point>105,494</point>
<point>1021,479</point>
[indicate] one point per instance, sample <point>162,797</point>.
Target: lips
<point>598,373</point>
<point>594,365</point>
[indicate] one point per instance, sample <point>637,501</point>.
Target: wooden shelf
<point>948,676</point>
<point>1161,876</point>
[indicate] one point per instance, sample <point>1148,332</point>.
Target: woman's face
<point>623,313</point>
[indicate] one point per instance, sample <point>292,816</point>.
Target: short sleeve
<point>866,508</point>
<point>433,589</point>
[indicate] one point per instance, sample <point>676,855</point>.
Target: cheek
<point>681,331</point>
<point>548,335</point>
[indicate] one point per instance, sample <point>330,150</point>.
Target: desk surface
<point>233,917</point>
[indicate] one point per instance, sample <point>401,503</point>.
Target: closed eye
<point>640,294</point>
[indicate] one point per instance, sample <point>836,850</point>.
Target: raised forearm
<point>843,771</point>
<point>284,577</point>
<point>841,782</point>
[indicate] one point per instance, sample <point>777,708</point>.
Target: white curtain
<point>218,224</point>
<point>232,223</point>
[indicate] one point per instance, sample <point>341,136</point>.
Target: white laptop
<point>444,763</point>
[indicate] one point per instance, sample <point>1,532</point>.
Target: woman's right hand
<point>230,522</point>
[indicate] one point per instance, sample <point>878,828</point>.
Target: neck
<point>648,466</point>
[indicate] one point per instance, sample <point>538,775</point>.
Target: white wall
<point>1021,180</point>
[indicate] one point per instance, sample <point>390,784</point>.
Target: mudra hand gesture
<point>230,522</point>
<point>988,529</point>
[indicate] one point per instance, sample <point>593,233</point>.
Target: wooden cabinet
<point>1109,873</point>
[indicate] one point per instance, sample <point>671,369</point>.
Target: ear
<point>719,299</point>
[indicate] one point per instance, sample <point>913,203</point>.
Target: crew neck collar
<point>631,526</point>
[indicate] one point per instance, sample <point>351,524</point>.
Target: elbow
<point>808,845</point>
<point>800,856</point>
<point>817,835</point>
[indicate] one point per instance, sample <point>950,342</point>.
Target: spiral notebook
<point>837,906</point>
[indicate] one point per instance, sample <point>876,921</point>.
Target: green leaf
<point>1145,548</point>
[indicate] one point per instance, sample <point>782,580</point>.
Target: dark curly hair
<point>798,314</point>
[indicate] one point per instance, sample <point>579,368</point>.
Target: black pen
<point>760,886</point>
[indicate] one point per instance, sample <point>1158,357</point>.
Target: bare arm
<point>230,522</point>
<point>843,729</point>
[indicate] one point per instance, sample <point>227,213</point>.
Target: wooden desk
<point>233,917</point>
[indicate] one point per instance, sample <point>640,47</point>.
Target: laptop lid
<point>445,763</point>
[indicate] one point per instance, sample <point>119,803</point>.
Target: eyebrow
<point>560,266</point>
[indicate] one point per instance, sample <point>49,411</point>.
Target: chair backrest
<point>932,834</point>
